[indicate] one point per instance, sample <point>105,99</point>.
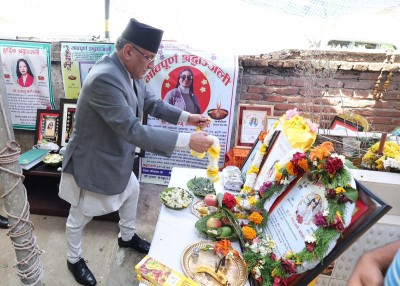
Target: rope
<point>23,226</point>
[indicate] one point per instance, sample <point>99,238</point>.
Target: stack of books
<point>31,158</point>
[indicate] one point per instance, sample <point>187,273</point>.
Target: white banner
<point>213,85</point>
<point>26,67</point>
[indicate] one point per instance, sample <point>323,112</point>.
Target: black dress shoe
<point>3,222</point>
<point>81,273</point>
<point>135,243</point>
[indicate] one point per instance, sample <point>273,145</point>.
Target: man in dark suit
<point>97,173</point>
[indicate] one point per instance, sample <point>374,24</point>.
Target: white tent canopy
<point>228,26</point>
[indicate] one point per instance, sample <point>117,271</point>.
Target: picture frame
<point>250,157</point>
<point>278,147</point>
<point>251,120</point>
<point>47,125</point>
<point>67,111</point>
<point>271,121</point>
<point>339,123</point>
<point>369,209</point>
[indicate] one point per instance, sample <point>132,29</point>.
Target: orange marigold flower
<point>278,177</point>
<point>303,163</point>
<point>249,233</point>
<point>328,145</point>
<point>322,151</point>
<point>256,218</point>
<point>222,247</point>
<point>290,168</point>
<point>262,135</point>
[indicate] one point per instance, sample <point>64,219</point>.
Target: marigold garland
<point>265,266</point>
<point>321,165</point>
<point>213,157</point>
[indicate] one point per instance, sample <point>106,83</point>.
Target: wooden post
<point>15,199</point>
<point>382,143</point>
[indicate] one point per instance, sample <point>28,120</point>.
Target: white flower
<point>310,238</point>
<point>257,159</point>
<point>268,138</point>
<point>257,273</point>
<point>251,180</point>
<point>392,163</point>
<point>325,213</point>
<point>341,157</point>
<point>245,204</point>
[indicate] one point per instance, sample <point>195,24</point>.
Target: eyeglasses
<point>151,60</point>
<point>183,77</point>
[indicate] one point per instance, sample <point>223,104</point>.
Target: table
<point>41,183</point>
<point>175,229</point>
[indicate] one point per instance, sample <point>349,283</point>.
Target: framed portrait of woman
<point>251,120</point>
<point>47,125</point>
<point>67,111</point>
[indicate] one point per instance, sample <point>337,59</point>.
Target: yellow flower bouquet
<point>390,160</point>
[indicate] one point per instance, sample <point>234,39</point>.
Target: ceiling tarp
<point>242,27</point>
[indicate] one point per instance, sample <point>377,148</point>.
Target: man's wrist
<point>182,143</point>
<point>184,116</point>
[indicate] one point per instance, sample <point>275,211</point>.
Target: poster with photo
<point>210,80</point>
<point>27,77</point>
<point>76,61</point>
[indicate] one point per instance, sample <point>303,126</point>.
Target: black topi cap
<point>143,35</point>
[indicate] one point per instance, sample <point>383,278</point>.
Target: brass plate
<point>235,270</point>
<point>195,208</point>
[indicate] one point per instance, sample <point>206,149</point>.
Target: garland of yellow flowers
<point>213,157</point>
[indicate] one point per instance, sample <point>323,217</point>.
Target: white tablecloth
<point>175,229</point>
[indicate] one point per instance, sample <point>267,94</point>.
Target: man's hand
<point>199,141</point>
<point>198,120</point>
<point>371,267</point>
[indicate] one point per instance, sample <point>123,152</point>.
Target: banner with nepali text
<point>76,61</point>
<point>198,82</point>
<point>27,76</point>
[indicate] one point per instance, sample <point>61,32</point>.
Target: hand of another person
<point>372,266</point>
<point>198,120</point>
<point>199,141</point>
<point>366,273</point>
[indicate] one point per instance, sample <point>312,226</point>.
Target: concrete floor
<point>111,265</point>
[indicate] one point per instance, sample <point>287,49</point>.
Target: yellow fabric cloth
<point>298,132</point>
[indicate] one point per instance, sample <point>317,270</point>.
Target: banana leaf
<point>216,233</point>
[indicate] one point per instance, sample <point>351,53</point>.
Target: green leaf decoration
<point>201,186</point>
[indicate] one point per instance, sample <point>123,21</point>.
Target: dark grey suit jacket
<point>101,151</point>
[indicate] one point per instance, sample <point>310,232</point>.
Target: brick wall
<point>324,84</point>
<point>272,79</point>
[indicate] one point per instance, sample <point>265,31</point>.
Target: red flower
<point>264,187</point>
<point>273,256</point>
<point>333,165</point>
<point>280,281</point>
<point>288,266</point>
<point>298,157</point>
<point>320,220</point>
<point>331,193</point>
<point>310,246</point>
<point>338,224</point>
<point>229,201</point>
